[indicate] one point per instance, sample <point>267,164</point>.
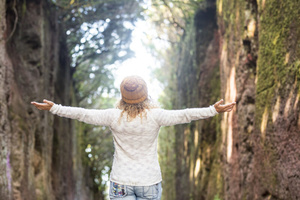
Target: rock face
<point>39,158</point>
<point>260,64</point>
<point>249,54</point>
<point>197,145</point>
<point>5,77</point>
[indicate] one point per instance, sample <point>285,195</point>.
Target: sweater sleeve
<point>173,117</point>
<point>89,116</point>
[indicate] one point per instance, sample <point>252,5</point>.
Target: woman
<point>135,124</point>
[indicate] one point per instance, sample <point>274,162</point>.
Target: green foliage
<point>167,161</point>
<point>24,8</point>
<point>98,35</point>
<point>216,197</point>
<point>173,21</point>
<point>170,17</point>
<point>96,146</point>
<point>179,75</point>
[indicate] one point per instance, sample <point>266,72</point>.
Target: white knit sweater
<point>135,159</point>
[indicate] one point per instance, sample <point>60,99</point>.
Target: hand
<point>47,105</point>
<point>224,108</point>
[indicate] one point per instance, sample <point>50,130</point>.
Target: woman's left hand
<point>224,108</point>
<point>47,105</point>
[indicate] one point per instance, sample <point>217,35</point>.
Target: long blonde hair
<point>134,110</point>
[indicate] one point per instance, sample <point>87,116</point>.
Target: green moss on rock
<point>274,68</point>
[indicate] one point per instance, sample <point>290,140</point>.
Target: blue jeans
<point>127,192</point>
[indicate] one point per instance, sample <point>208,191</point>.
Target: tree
<point>98,35</point>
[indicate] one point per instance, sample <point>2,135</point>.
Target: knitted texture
<point>135,160</point>
<point>134,89</point>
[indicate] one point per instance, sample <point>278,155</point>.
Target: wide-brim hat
<point>134,90</point>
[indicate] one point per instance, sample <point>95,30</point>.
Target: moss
<point>24,8</point>
<point>233,18</point>
<point>274,71</point>
<point>263,101</point>
<point>215,83</point>
<point>215,179</point>
<point>216,197</point>
<point>277,74</point>
<point>270,179</point>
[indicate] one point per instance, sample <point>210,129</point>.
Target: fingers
<point>224,108</point>
<point>229,107</point>
<point>48,102</point>
<point>219,102</point>
<point>43,106</point>
<point>39,106</point>
<point>35,103</point>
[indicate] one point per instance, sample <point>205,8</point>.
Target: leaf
<point>72,1</point>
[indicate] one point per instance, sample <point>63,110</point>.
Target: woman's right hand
<point>47,105</point>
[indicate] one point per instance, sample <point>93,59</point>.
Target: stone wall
<point>249,54</point>
<point>259,63</point>
<point>39,157</point>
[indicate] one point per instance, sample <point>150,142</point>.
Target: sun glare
<point>142,64</point>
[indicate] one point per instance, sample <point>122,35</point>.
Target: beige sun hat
<point>134,90</point>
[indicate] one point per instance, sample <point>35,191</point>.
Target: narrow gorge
<point>246,51</point>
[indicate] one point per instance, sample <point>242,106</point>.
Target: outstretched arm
<point>173,117</point>
<point>89,116</point>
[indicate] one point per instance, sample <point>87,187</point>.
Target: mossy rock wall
<point>259,63</point>
<point>277,118</point>
<point>39,157</point>
<point>252,57</point>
